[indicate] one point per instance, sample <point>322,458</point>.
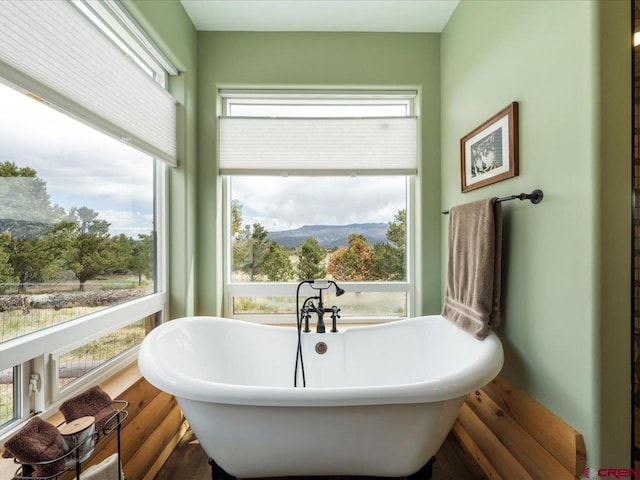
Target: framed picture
<point>489,153</point>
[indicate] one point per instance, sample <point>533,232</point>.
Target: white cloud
<point>82,167</point>
<point>129,223</point>
<point>282,203</point>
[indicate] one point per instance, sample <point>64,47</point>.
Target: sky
<point>285,203</point>
<point>82,167</point>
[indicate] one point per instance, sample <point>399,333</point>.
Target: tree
<point>25,210</point>
<point>253,253</point>
<point>141,262</point>
<point>389,258</point>
<point>26,217</point>
<point>236,217</point>
<point>6,270</point>
<point>135,256</point>
<point>249,250</point>
<point>33,260</point>
<point>384,264</point>
<point>28,260</point>
<point>277,266</point>
<point>89,253</point>
<point>121,252</point>
<point>87,221</point>
<point>396,233</point>
<point>310,257</point>
<point>352,263</point>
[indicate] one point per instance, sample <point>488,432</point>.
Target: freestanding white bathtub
<point>380,401</point>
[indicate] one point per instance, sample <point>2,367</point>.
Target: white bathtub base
<point>249,442</point>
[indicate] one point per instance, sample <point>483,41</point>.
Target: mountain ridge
<point>330,236</point>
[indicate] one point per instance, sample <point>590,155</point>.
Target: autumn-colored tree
<point>352,263</point>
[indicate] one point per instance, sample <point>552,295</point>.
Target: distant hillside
<point>24,228</point>
<point>330,236</point>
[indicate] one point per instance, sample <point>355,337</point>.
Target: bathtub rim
<point>446,388</point>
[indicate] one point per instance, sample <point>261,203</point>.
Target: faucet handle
<point>306,315</point>
<point>334,317</point>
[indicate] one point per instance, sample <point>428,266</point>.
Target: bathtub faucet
<point>319,309</point>
<point>309,307</point>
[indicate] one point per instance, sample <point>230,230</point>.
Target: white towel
<point>105,470</point>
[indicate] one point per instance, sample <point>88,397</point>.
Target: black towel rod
<point>535,197</point>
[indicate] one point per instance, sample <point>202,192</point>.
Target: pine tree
<point>310,257</point>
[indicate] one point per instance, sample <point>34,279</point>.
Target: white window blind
<point>318,145</point>
<point>52,50</point>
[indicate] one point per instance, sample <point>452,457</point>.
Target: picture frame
<point>489,153</point>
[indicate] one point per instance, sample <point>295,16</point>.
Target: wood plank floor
<point>189,462</point>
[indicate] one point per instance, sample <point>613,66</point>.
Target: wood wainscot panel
<point>512,436</point>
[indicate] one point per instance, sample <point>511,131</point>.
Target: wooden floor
<point>189,462</point>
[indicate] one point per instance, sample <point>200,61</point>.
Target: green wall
<point>317,60</point>
<point>566,322</point>
<point>566,285</point>
<point>171,29</point>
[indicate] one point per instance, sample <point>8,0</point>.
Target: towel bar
<point>535,197</point>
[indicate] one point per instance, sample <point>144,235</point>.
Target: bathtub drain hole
<point>321,348</point>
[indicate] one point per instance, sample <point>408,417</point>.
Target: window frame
<point>287,289</point>
<point>32,355</point>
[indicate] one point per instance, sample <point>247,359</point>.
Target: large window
<point>76,218</point>
<point>84,149</point>
<point>77,237</point>
<point>299,212</point>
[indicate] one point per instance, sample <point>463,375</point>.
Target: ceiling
<point>320,15</point>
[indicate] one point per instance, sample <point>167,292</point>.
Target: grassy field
<point>6,396</point>
<point>15,323</point>
<point>374,304</point>
<point>91,355</point>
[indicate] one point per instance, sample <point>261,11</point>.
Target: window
<point>8,401</point>
<point>78,237</point>
<point>72,364</point>
<point>84,150</point>
<point>76,218</point>
<point>314,189</point>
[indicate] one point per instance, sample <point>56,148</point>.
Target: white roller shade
<point>51,49</point>
<point>318,145</point>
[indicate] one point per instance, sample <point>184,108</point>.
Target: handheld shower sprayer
<point>324,285</point>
